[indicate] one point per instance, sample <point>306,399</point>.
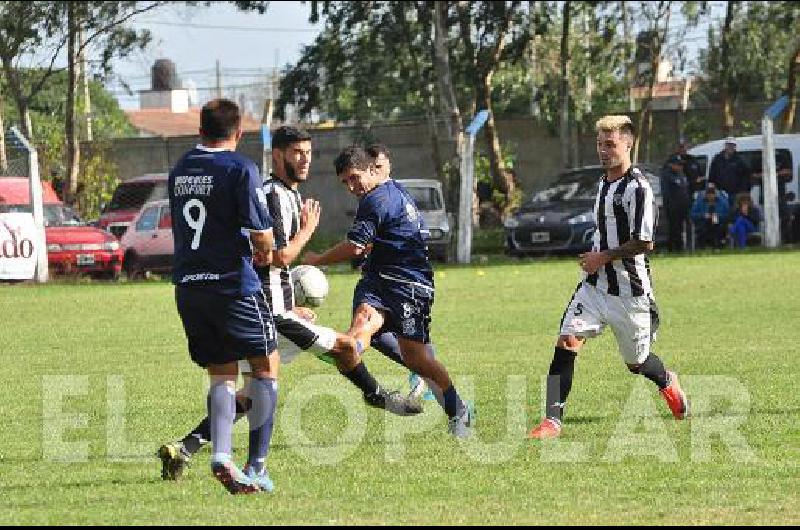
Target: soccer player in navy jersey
<point>220,221</point>
<point>396,290</point>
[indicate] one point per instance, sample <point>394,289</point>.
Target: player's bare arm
<point>344,251</point>
<point>591,261</point>
<point>262,246</point>
<point>309,221</point>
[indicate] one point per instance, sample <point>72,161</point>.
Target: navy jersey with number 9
<point>215,199</point>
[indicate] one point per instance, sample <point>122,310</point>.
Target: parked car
<point>560,219</point>
<point>72,245</point>
<point>148,243</point>
<point>428,196</point>
<point>128,199</point>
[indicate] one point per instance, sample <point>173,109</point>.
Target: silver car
<point>428,196</point>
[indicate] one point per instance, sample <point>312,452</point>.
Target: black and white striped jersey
<point>284,207</point>
<point>624,209</point>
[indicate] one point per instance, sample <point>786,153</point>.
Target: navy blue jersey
<point>388,219</point>
<point>215,197</point>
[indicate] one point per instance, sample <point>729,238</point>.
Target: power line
<point>219,27</point>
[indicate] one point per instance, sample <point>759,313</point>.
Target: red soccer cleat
<point>676,398</point>
<point>546,430</point>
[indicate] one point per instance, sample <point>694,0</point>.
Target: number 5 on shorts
<point>195,224</point>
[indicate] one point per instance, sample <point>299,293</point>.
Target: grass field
<point>98,373</point>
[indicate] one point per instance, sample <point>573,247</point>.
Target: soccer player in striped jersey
<point>617,288</point>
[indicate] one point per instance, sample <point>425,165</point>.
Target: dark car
<point>560,217</point>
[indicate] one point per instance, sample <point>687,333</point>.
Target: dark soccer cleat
<point>546,430</point>
<point>233,479</point>
<point>173,461</point>
<point>676,398</point>
<point>393,402</point>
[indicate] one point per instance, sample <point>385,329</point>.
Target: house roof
<point>163,122</point>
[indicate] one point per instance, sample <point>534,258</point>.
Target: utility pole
<point>87,102</point>
<point>219,80</point>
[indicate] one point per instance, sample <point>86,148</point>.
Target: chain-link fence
<point>14,159</point>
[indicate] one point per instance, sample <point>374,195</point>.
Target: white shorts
<point>634,320</point>
<point>296,335</point>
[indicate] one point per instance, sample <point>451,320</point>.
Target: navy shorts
<point>407,306</point>
<point>221,329</point>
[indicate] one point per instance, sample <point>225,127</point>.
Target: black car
<point>559,218</point>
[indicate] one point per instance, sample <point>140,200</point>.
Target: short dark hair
<point>219,119</point>
<point>352,157</point>
<point>375,150</point>
<point>286,135</point>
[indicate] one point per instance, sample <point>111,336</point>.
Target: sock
<point>387,344</point>
<point>559,382</point>
<point>201,435</point>
<point>453,405</point>
<point>653,369</point>
<point>360,377</point>
<point>261,416</point>
<point>221,411</point>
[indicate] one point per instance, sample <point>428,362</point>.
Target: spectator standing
<point>729,172</point>
<point>675,188</point>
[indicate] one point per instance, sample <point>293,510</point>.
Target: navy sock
<point>452,402</point>
<point>261,416</point>
<point>387,344</point>
<point>221,412</point>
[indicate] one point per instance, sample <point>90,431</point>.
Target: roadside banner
<point>18,247</point>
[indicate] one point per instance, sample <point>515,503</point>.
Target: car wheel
<point>132,267</point>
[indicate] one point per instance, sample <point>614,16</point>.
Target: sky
<point>248,46</point>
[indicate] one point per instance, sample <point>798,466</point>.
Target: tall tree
<point>101,26</point>
<point>724,68</point>
<point>26,29</point>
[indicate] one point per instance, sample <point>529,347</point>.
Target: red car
<point>72,246</point>
<point>128,199</point>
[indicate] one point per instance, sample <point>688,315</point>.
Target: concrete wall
<point>538,157</point>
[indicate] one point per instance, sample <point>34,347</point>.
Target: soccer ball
<point>310,285</point>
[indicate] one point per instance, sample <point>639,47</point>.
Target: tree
<point>98,25</point>
<point>26,28</point>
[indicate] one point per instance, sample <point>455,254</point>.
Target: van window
<point>133,195</point>
<point>426,199</point>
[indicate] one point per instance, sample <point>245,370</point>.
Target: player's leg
<point>635,322</point>
<point>345,352</point>
<point>262,393</point>
<point>581,319</point>
<point>418,358</point>
<point>221,404</point>
<point>386,343</point>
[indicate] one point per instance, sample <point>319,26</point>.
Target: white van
<point>787,155</point>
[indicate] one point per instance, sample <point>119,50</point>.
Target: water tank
<point>165,75</point>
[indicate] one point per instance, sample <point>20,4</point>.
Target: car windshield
<point>133,195</point>
<point>426,199</point>
<point>54,214</point>
<point>572,186</point>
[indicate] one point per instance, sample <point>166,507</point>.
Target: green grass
<point>728,322</point>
